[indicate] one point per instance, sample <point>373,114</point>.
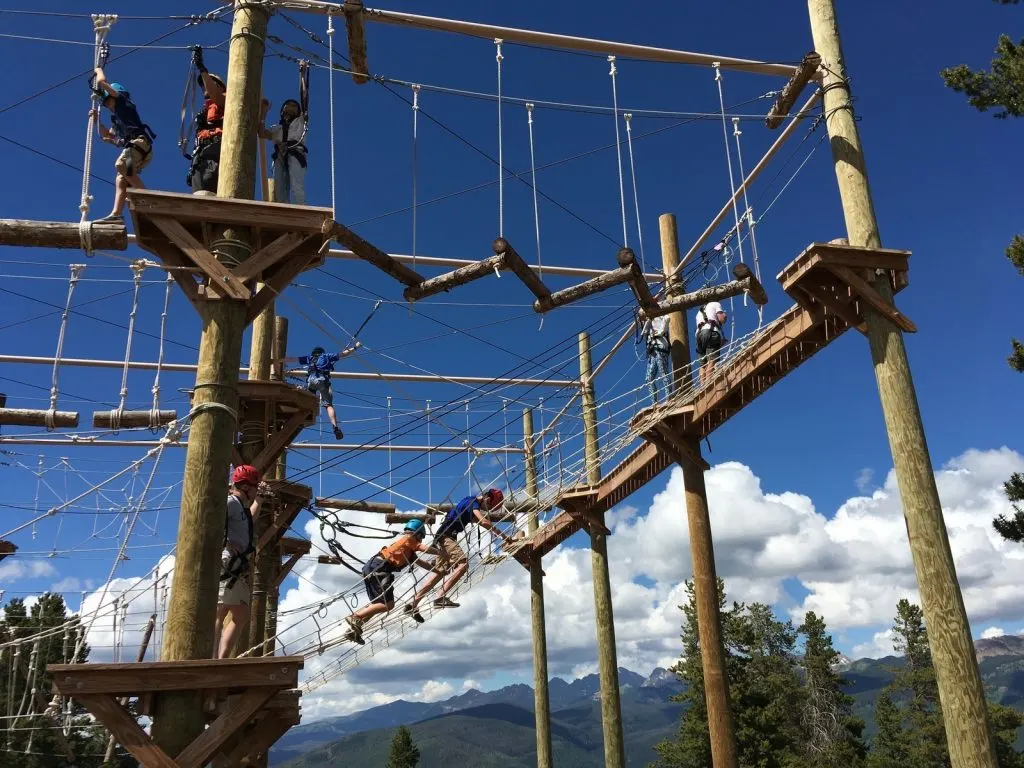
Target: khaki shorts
<point>238,593</point>
<point>451,555</point>
<point>140,151</point>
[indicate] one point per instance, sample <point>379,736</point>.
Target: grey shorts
<point>322,389</point>
<point>237,593</point>
<point>709,344</point>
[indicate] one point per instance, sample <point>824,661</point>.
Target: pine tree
<point>1002,87</point>
<point>834,737</point>
<point>404,754</point>
<point>764,689</point>
<point>39,741</point>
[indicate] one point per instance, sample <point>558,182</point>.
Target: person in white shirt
<point>289,157</point>
<point>655,333</point>
<point>243,504</point>
<point>710,337</point>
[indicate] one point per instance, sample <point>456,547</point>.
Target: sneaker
<point>114,218</point>
<point>413,611</point>
<point>444,602</point>
<point>338,434</point>
<point>355,632</point>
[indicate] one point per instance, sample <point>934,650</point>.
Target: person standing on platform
<point>319,366</point>
<point>659,365</point>
<point>205,169</point>
<point>289,157</point>
<point>243,506</point>
<point>379,575</point>
<point>128,132</point>
<point>452,559</point>
<point>710,338</point>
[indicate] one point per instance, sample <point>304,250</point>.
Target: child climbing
<point>710,337</point>
<point>288,137</point>
<point>319,365</point>
<point>128,132</point>
<point>452,560</point>
<point>209,123</point>
<point>655,333</point>
<point>379,575</point>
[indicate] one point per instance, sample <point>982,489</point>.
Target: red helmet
<point>245,473</point>
<point>495,497</point>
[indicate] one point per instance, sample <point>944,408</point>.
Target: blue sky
<point>937,168</point>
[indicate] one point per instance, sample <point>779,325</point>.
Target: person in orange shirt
<point>204,172</point>
<point>379,575</point>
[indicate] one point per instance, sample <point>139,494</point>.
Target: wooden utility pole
<point>949,635</point>
<point>702,550</point>
<point>541,701</point>
<point>179,718</point>
<point>607,661</point>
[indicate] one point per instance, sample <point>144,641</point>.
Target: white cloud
<point>14,568</point>
<point>991,632</point>
<point>864,479</point>
<point>855,566</point>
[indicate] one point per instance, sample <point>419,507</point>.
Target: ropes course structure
<point>603,431</point>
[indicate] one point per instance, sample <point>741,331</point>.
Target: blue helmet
<point>118,88</point>
<point>414,526</point>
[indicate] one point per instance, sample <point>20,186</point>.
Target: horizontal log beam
<point>637,283</point>
<point>522,270</point>
<point>791,91</point>
<point>371,253</point>
<point>28,417</point>
<point>354,505</point>
<point>754,288</point>
<point>455,278</point>
<point>581,291</point>
<point>748,284</point>
<point>114,420</point>
<point>349,375</point>
<point>62,234</point>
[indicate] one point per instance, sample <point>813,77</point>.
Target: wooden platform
<point>831,282</point>
<point>281,410</point>
<point>178,229</point>
<point>250,685</point>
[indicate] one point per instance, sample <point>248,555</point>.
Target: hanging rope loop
<point>613,71</point>
<point>101,24</point>
<point>501,161</point>
<point>415,162</point>
<point>330,87</point>
<point>628,117</point>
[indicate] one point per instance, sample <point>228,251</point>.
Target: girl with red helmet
<point>453,559</point>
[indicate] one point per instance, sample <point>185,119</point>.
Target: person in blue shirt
<point>319,365</point>
<point>452,559</point>
<point>128,132</point>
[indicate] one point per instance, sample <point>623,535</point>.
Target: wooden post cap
<point>499,246</point>
<point>625,257</point>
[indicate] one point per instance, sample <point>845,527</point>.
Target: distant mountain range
<point>495,729</point>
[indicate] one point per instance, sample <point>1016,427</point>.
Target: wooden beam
<point>269,255</point>
<point>279,442</point>
<point>754,288</point>
<point>7,548</point>
<point>221,278</point>
<point>30,417</point>
<point>868,294</point>
<point>237,714</point>
<point>282,522</point>
<point>371,253</point>
<point>700,297</point>
<point>114,420</point>
<point>455,278</point>
<point>356,40</point>
<point>260,740</point>
<point>61,234</point>
<point>522,270</point>
<point>126,730</point>
<point>637,282</point>
<point>353,505</point>
<point>582,290</point>
<point>275,283</point>
<point>791,91</point>
<point>228,211</point>
<point>290,545</point>
<point>171,257</point>
<point>833,304</point>
<point>286,568</point>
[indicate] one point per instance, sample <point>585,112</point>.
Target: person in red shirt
<point>203,174</point>
<point>379,575</point>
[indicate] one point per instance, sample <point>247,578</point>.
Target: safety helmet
<point>245,473</point>
<point>286,102</point>
<point>317,351</point>
<point>118,88</point>
<point>495,497</point>
<point>414,526</point>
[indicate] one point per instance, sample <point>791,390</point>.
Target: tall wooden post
<point>178,718</point>
<point>260,355</point>
<point>702,550</point>
<point>949,634</point>
<point>280,351</point>
<point>607,662</point>
<point>541,701</point>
